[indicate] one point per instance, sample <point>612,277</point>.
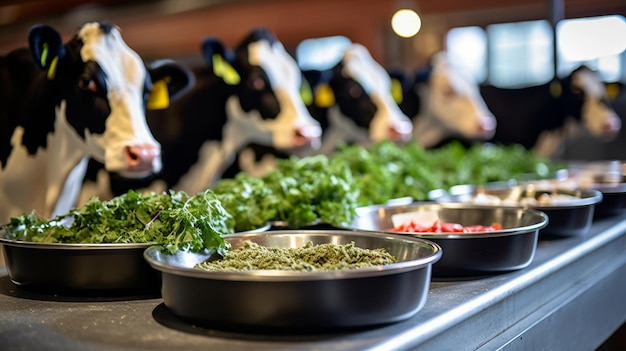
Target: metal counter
<point>572,297</point>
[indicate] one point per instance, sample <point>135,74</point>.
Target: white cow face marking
<point>388,122</point>
<point>293,126</point>
<point>456,104</point>
<point>596,115</point>
<point>127,145</point>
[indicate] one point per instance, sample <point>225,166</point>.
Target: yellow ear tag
<point>396,91</point>
<point>324,96</point>
<point>44,55</point>
<point>53,68</point>
<point>555,88</point>
<point>306,93</point>
<point>612,89</point>
<point>223,69</point>
<point>159,98</point>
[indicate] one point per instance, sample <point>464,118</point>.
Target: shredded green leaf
<point>172,219</point>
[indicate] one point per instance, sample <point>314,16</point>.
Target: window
<point>467,51</point>
<point>321,53</point>
<point>521,54</point>
<point>596,42</point>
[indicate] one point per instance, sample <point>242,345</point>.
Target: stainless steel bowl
<point>613,198</point>
<point>571,218</point>
<point>295,299</point>
<point>608,177</point>
<point>468,254</point>
<point>81,268</point>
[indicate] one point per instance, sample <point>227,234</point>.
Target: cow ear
<point>324,96</point>
<point>219,58</point>
<point>423,75</point>
<point>169,81</point>
<point>46,47</point>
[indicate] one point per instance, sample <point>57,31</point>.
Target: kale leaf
<point>172,219</point>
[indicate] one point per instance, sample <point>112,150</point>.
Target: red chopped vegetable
<point>439,227</point>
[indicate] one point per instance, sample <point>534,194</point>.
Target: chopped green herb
<point>323,257</point>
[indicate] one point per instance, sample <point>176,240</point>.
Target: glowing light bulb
<point>406,23</point>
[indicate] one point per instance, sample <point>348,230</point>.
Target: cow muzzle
<point>142,160</point>
<point>611,128</point>
<point>486,127</point>
<point>307,136</point>
<point>400,131</point>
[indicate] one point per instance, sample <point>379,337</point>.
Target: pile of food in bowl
<point>299,279</point>
<point>608,177</point>
<point>98,247</point>
<point>476,240</point>
<point>570,208</point>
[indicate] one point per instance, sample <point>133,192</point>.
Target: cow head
<point>357,93</point>
<point>449,105</point>
<point>587,101</point>
<point>102,88</point>
<point>263,82</point>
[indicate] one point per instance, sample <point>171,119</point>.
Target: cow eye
<point>257,83</point>
<point>577,91</point>
<point>448,91</point>
<point>355,91</point>
<point>87,84</point>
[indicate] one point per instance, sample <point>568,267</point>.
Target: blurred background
<point>511,43</point>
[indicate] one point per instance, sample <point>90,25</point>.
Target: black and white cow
<point>62,103</point>
<point>247,95</point>
<point>444,104</point>
<point>543,117</point>
<point>353,103</point>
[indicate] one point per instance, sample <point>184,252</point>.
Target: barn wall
<point>167,29</point>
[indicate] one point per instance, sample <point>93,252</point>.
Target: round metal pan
<point>288,300</point>
<point>571,218</point>
<point>78,268</point>
<point>613,199</point>
<point>468,254</point>
<point>608,177</point>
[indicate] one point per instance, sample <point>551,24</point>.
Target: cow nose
<point>141,158</point>
<point>487,127</point>
<point>308,135</point>
<point>612,127</point>
<point>400,131</point>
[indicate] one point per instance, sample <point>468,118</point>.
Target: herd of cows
<point>89,118</point>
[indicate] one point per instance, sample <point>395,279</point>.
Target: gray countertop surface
<point>572,292</point>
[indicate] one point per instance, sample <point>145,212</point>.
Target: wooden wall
<point>157,29</point>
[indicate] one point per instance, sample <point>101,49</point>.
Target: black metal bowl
<point>79,268</point>
<point>567,218</point>
<point>468,254</point>
<point>613,198</point>
<point>608,177</point>
<point>287,300</point>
